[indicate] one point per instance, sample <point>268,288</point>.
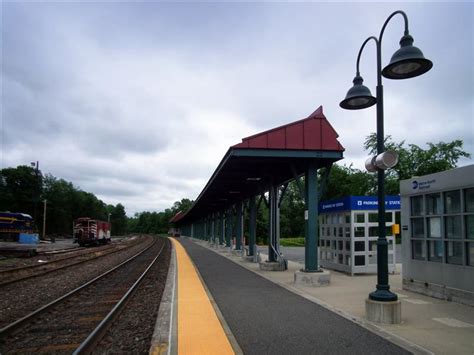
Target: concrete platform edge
<point>164,339</point>
<point>402,342</point>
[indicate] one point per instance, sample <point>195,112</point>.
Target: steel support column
<point>239,225</point>
<point>213,228</point>
<point>273,239</point>
<point>221,228</point>
<point>252,226</point>
<point>228,224</point>
<point>311,219</point>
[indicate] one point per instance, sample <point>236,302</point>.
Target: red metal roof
<point>176,217</point>
<point>311,133</point>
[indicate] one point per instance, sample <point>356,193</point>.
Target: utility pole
<point>44,221</point>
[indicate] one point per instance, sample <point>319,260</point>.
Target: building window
<point>348,218</point>
<point>416,205</point>
<point>433,204</point>
<point>418,249</point>
<point>453,227</point>
<point>359,218</point>
<point>417,228</point>
<point>359,260</point>
<point>470,253</point>
<point>359,232</point>
<point>454,253</point>
<point>373,217</point>
<point>469,200</point>
<point>470,226</point>
<point>373,231</point>
<point>347,231</point>
<point>434,227</point>
<point>452,201</point>
<point>359,246</point>
<point>435,251</point>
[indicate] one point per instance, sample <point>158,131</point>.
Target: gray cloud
<point>138,103</point>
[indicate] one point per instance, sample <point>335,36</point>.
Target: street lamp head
<point>407,62</point>
<point>358,96</point>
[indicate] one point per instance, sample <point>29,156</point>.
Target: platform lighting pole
<point>407,62</point>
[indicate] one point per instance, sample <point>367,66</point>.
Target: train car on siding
<point>88,231</point>
<point>14,224</point>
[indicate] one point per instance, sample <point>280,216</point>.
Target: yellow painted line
<point>199,329</point>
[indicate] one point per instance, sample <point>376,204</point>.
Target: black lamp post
<point>407,62</point>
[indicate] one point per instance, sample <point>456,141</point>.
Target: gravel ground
<point>21,298</point>
<point>62,327</point>
<point>48,254</point>
<point>132,331</point>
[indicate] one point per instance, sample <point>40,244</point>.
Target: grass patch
<point>292,242</point>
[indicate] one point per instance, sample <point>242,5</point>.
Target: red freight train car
<point>89,231</point>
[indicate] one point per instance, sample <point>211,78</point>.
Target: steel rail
<point>94,338</point>
<point>52,262</point>
<point>10,327</point>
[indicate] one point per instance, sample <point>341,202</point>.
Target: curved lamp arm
<point>361,49</point>
<point>405,17</point>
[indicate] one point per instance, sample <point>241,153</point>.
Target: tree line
<point>23,189</point>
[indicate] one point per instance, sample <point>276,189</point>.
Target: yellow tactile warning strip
<point>199,329</point>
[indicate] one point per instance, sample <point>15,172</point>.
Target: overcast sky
<point>138,102</point>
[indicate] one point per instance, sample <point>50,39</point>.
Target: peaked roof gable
<point>311,133</point>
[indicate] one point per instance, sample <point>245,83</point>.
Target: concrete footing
<point>312,279</point>
<point>383,312</point>
<point>271,266</point>
<point>237,252</point>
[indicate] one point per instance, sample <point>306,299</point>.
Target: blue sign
<point>349,203</point>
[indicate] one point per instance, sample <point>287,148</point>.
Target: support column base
<point>271,266</point>
<point>251,259</point>
<point>312,279</point>
<point>383,312</point>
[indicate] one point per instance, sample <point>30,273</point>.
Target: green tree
<point>118,219</point>
<point>346,180</point>
<point>183,205</point>
<point>61,209</point>
<point>292,212</point>
<point>416,161</point>
<point>21,189</point>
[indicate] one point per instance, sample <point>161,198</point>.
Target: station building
<point>348,233</point>
<point>438,234</point>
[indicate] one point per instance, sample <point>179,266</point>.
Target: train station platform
<point>262,312</point>
<point>223,304</point>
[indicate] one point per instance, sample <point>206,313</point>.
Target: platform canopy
<point>269,158</point>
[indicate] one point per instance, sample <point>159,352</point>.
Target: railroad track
<point>30,271</point>
<point>70,322</point>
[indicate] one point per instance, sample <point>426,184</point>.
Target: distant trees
<point>157,222</point>
<point>23,189</point>
<point>347,180</point>
<point>20,189</point>
<point>416,161</point>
